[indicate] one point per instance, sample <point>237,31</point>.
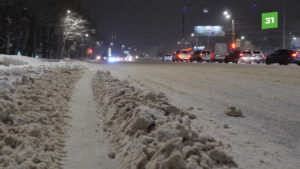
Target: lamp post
<point>230,16</point>
<point>284,25</point>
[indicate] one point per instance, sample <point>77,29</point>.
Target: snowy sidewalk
<point>86,146</point>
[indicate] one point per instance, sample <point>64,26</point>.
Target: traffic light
<point>233,45</point>
<point>90,51</point>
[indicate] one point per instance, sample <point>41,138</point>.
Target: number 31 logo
<point>270,20</point>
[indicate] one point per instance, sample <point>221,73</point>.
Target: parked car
<point>183,56</point>
<point>246,56</point>
<point>284,57</point>
<point>167,58</point>
<point>259,57</point>
<point>233,56</point>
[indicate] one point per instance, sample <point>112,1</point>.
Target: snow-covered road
<point>268,136</point>
<point>142,115</point>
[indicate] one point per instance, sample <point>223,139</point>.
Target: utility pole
<point>184,9</point>
<point>284,25</point>
<point>233,30</point>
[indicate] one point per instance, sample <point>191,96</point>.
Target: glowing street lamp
<point>225,13</point>
<point>230,16</point>
<point>68,11</point>
<point>294,38</point>
<point>87,35</point>
<point>243,37</point>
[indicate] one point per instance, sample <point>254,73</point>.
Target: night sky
<point>148,23</point>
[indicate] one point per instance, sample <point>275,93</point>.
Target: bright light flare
<point>112,59</point>
<point>98,57</point>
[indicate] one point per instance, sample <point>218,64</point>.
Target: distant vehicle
<point>233,56</point>
<point>206,56</point>
<point>259,57</point>
<point>284,57</point>
<point>220,52</point>
<point>101,58</point>
<point>200,56</point>
<point>183,56</point>
<point>167,58</point>
<point>246,57</point>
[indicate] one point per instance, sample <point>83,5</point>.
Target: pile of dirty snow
<point>147,132</point>
<point>15,60</point>
<point>32,115</point>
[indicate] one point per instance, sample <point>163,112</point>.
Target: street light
<point>111,44</point>
<point>68,11</point>
<point>243,37</point>
<point>87,35</point>
<point>192,35</point>
<point>229,16</point>
<point>123,46</point>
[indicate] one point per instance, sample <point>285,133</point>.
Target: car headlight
<point>98,57</point>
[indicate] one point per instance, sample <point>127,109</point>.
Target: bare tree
<point>74,27</point>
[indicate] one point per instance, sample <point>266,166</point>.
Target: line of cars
<point>282,57</point>
<point>113,59</point>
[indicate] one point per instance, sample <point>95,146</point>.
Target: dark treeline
<point>32,27</point>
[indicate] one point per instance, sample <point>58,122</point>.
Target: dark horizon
<point>149,23</point>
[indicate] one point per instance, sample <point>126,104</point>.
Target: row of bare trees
<point>40,27</point>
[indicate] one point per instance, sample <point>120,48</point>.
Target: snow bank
<point>149,133</point>
<point>16,60</point>
<point>32,113</point>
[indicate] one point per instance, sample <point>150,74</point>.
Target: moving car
<point>167,58</point>
<point>259,57</point>
<point>233,56</point>
<point>206,56</point>
<point>220,52</point>
<point>183,56</point>
<point>284,57</point>
<point>101,58</point>
<point>201,56</point>
<point>246,56</point>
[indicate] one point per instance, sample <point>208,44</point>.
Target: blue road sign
<point>184,9</point>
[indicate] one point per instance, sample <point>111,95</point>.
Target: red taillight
<point>294,55</point>
<point>190,56</point>
<point>233,45</point>
<point>241,55</point>
<point>200,54</point>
